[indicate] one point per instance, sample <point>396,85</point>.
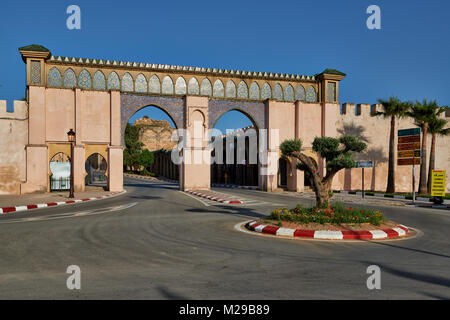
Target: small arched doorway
<point>96,167</point>
<point>60,172</point>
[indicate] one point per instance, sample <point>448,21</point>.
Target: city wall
<point>28,147</point>
<point>13,139</point>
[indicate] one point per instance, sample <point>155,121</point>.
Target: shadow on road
<point>170,295</point>
<point>153,185</point>
<point>412,275</point>
<point>231,210</point>
<point>411,249</point>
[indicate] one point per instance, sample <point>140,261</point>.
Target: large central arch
<point>131,103</point>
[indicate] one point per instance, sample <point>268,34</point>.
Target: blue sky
<point>409,57</point>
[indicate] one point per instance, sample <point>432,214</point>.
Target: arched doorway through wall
<point>156,130</point>
<point>96,167</point>
<point>59,172</point>
<point>236,137</point>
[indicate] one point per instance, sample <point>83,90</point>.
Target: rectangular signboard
<point>409,154</point>
<point>364,164</point>
<point>409,132</point>
<point>408,161</point>
<point>409,139</point>
<point>438,183</point>
<point>408,146</point>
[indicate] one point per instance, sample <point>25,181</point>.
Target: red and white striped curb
<point>233,186</point>
<point>51,204</point>
<point>399,231</point>
<point>214,198</point>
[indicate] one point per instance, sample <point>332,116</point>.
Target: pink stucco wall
<point>13,138</point>
<point>95,117</point>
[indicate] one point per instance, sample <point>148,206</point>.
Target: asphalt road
<point>155,242</point>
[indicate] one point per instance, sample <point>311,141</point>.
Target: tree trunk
<point>432,161</point>
<point>423,162</point>
<point>322,189</point>
<point>391,173</point>
<point>322,197</point>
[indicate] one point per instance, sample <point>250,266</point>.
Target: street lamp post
<point>71,138</point>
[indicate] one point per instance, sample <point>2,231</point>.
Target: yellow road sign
<point>438,183</point>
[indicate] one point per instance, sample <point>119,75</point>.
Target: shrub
<point>337,214</point>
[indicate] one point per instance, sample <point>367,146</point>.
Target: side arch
<point>253,110</point>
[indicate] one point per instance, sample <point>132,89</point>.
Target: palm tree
<point>436,128</point>
<point>393,109</point>
<point>423,113</point>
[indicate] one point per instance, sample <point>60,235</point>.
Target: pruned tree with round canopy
<point>338,153</point>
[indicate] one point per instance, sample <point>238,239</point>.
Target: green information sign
<point>409,132</point>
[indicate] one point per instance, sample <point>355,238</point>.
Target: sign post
<point>409,152</point>
<point>363,164</point>
<point>438,185</point>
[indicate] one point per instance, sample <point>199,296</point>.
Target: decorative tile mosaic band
<point>175,86</point>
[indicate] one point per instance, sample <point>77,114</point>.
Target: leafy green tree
<point>436,127</point>
<point>132,146</point>
<point>393,109</point>
<point>423,113</point>
<point>146,158</point>
<point>338,154</point>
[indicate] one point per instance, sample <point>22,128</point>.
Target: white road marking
<point>72,214</point>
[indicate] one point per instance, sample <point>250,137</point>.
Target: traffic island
<point>334,223</point>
